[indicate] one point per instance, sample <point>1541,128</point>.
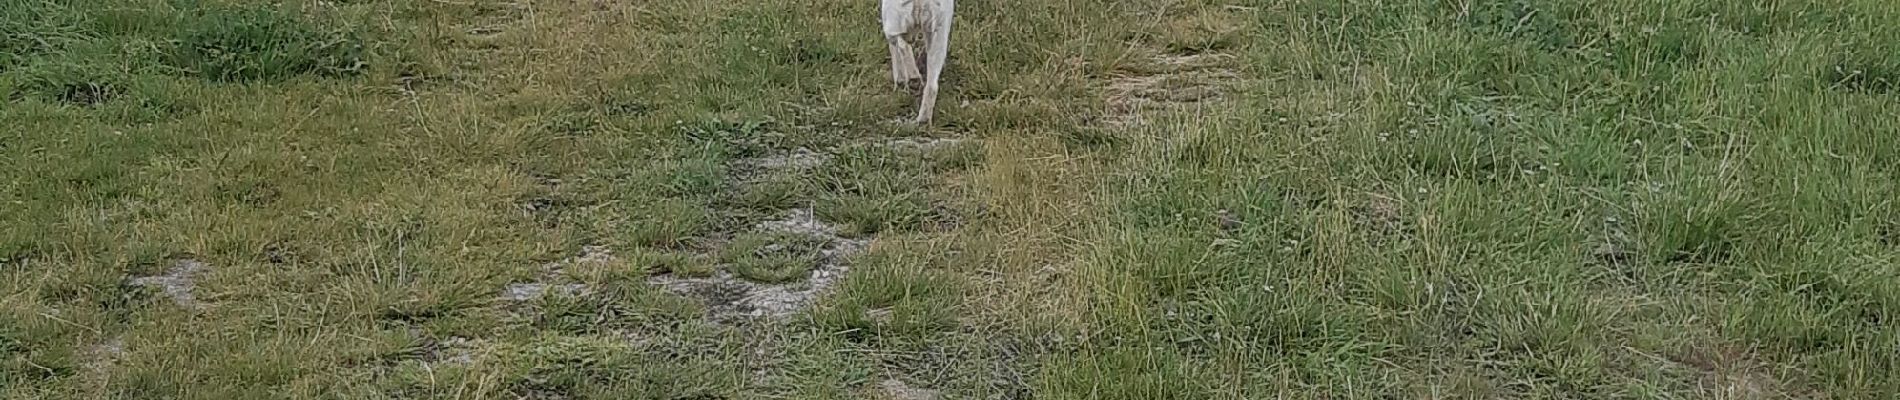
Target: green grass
<point>1151,199</point>
<point>772,257</point>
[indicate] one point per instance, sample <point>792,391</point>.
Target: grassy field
<point>1122,199</point>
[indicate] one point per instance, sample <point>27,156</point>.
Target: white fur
<point>931,20</point>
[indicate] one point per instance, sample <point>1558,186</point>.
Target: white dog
<point>930,19</point>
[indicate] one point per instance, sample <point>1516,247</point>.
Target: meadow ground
<point>1123,199</point>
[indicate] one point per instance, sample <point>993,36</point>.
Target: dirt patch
<point>893,389</point>
<point>1226,221</point>
<point>919,144</point>
<point>728,297</point>
<point>100,357</point>
<point>800,221</point>
<point>1612,253</point>
<point>177,282</point>
<point>1381,214</point>
<point>549,281</point>
<point>1615,249</point>
<point>454,350</point>
<point>530,291</point>
<point>799,159</point>
<point>1731,372</point>
<point>589,254</point>
<point>1191,62</point>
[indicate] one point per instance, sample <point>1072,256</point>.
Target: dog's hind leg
<point>937,52</point>
<point>896,16</point>
<point>903,63</point>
